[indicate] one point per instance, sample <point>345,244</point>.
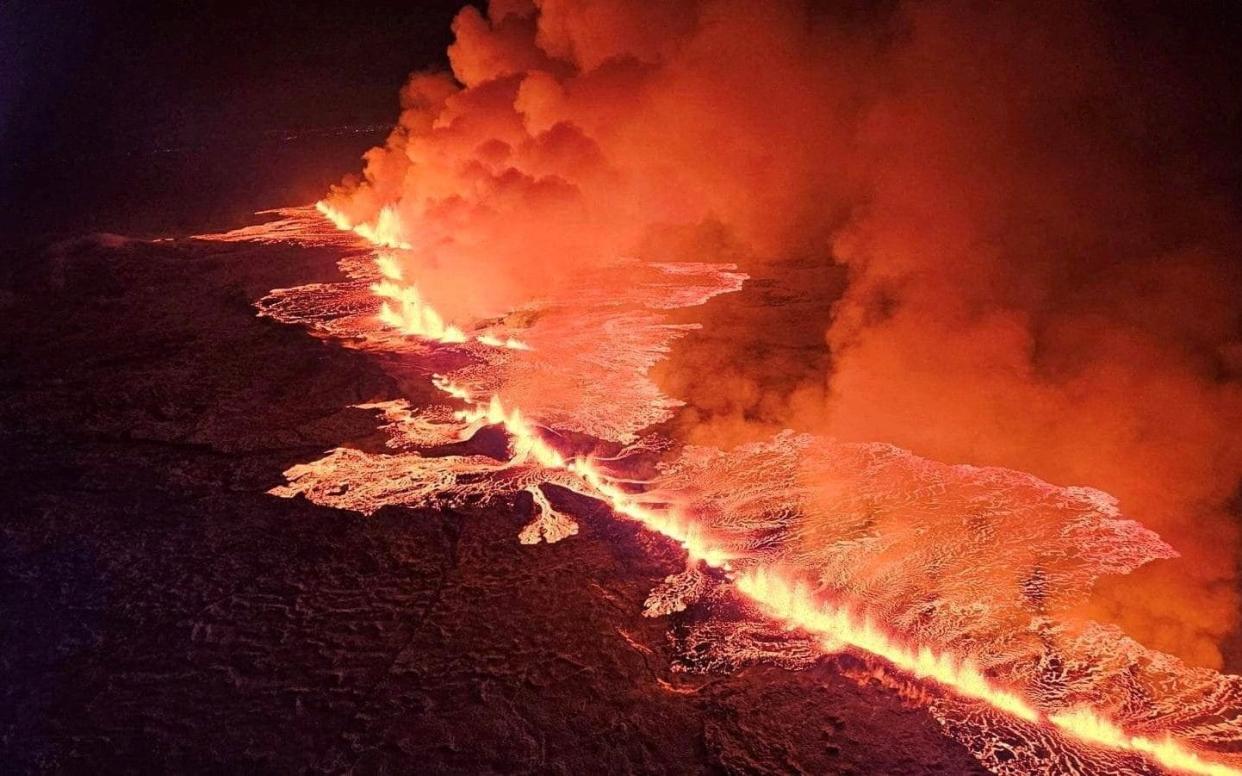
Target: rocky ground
<point>160,613</point>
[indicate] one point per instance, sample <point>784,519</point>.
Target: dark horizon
<point>151,118</point>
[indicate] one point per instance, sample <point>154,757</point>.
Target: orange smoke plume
<point>1007,224</point>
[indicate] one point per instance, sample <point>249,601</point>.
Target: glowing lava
<point>402,307</point>
<point>1089,727</point>
<point>793,604</point>
<point>588,478</point>
<point>383,232</point>
<point>852,545</point>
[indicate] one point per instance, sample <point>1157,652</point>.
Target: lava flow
<point>860,546</point>
<point>794,605</point>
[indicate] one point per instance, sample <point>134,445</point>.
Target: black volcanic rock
<point>159,613</point>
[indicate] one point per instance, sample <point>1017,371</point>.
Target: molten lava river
<point>953,583</point>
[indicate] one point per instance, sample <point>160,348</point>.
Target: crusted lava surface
<point>160,613</point>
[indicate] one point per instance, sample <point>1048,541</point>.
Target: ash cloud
<point>1001,235</point>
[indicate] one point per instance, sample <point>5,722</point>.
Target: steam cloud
<point>1005,234</point>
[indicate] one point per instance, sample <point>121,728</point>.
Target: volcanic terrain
<point>162,613</point>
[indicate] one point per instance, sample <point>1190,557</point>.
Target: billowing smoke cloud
<point>987,234</point>
<point>1042,277</point>
<point>566,133</point>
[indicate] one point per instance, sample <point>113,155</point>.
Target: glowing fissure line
<point>796,605</point>
<point>1086,725</point>
<point>528,445</point>
<point>384,232</point>
<point>402,307</point>
<point>412,315</point>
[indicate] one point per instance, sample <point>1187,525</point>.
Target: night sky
<point>210,109</point>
